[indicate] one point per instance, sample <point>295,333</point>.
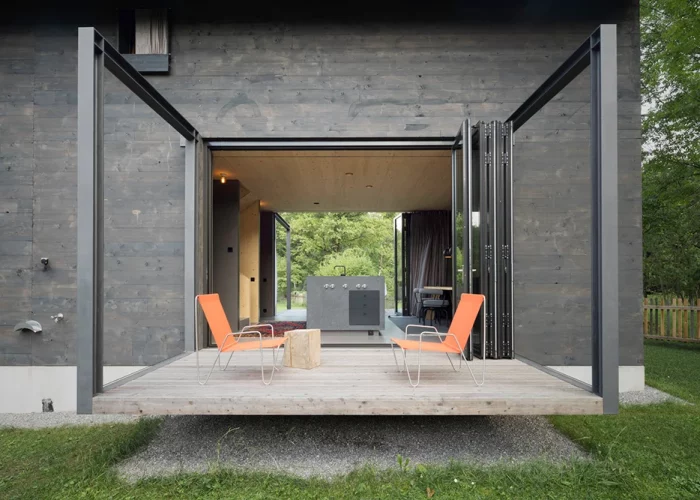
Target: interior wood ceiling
<point>293,181</point>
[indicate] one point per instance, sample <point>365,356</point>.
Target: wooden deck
<point>361,381</point>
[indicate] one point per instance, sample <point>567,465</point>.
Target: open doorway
<point>463,179</point>
<point>338,207</point>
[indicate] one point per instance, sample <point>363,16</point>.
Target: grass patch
<point>66,462</point>
<point>674,367</point>
<point>656,445</point>
<point>644,452</point>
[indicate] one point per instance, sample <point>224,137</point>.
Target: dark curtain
<point>431,235</point>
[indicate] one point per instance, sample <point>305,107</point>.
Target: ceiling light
<point>223,178</point>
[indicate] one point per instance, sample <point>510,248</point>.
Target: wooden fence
<point>671,319</point>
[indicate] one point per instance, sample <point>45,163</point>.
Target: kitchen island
<point>339,303</point>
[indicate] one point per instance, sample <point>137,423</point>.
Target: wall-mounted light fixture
<point>223,178</point>
<point>369,186</point>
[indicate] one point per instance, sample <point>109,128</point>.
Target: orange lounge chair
<point>453,342</point>
<point>227,341</point>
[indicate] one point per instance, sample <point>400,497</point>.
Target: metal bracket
<point>505,251</point>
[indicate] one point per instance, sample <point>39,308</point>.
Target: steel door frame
<point>94,54</point>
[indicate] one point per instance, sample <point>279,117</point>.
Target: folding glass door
<point>482,231</point>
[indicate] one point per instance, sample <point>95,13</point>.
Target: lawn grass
<point>674,367</point>
<point>644,452</point>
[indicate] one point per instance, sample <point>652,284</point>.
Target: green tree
<point>342,238</point>
<point>357,262</point>
<point>670,35</point>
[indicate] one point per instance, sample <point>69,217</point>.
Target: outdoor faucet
<point>344,270</point>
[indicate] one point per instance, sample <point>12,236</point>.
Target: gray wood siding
<point>288,79</point>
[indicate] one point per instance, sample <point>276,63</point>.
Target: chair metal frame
<point>233,335</point>
<point>435,333</point>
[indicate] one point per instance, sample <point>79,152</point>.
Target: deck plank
<point>360,381</point>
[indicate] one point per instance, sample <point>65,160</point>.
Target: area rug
<point>281,327</point>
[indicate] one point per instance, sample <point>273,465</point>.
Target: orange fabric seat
<point>426,347</point>
<point>452,342</point>
<point>252,344</point>
<point>229,341</point>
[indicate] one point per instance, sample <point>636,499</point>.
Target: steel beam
<point>293,144</point>
<point>600,51</point>
<point>288,257</point>
<point>136,82</point>
<point>281,220</point>
<point>95,54</point>
<point>190,240</point>
<point>564,74</point>
<point>604,217</point>
<point>90,219</point>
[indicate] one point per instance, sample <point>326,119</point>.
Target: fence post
<point>645,313</point>
<point>674,314</point>
<point>697,321</point>
<point>686,319</point>
<point>663,318</point>
<point>657,317</point>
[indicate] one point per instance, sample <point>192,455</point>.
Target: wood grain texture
<point>349,382</point>
<point>294,181</point>
<point>232,77</point>
<point>303,349</point>
<point>250,261</point>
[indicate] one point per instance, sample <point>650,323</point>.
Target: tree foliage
<point>670,35</point>
<point>356,262</point>
<point>363,242</point>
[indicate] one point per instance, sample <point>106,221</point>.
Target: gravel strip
<point>58,419</point>
<point>328,446</point>
<point>648,396</point>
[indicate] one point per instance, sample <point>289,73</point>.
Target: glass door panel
<point>398,265</point>
<point>461,201</point>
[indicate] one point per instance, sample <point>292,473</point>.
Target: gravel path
<point>648,396</point>
<point>58,419</point>
<point>327,446</point>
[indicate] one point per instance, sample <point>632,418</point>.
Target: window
<point>143,39</point>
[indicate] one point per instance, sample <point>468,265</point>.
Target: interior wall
<point>268,268</point>
<point>225,252</point>
<point>250,260</point>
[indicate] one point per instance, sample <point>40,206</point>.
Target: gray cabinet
<point>345,302</point>
<point>364,307</point>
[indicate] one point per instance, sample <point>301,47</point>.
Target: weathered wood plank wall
<point>301,79</point>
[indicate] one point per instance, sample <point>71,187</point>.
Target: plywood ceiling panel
<point>293,181</point>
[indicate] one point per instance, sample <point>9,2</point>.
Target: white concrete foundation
<point>631,377</point>
<point>23,387</point>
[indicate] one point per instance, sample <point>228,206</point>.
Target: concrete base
<point>631,377</point>
<point>23,387</point>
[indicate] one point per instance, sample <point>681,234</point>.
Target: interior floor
<point>393,327</point>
